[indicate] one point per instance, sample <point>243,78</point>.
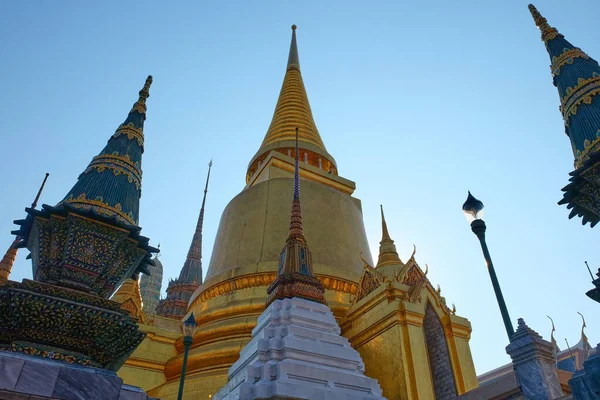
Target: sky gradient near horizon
<point>417,104</point>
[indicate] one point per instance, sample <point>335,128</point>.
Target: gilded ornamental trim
<point>565,58</point>
<point>131,131</point>
<point>266,279</point>
<point>588,147</point>
<point>100,207</point>
<point>584,92</point>
<point>119,165</point>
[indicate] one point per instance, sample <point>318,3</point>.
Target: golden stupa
<point>410,341</point>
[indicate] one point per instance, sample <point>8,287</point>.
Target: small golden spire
<point>8,260</point>
<point>140,105</point>
<point>548,32</point>
<point>384,229</point>
<point>387,248</point>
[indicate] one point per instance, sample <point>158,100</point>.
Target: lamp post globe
<point>473,209</point>
<point>189,328</point>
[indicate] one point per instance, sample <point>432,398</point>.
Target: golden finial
<point>412,256</point>
<point>548,32</point>
<point>384,229</point>
<point>294,27</point>
<point>140,105</point>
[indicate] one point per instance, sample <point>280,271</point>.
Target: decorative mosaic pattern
<point>36,319</point>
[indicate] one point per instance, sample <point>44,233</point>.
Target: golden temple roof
<point>293,111</point>
<point>130,297</point>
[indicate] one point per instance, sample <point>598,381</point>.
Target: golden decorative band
<point>565,58</point>
<point>131,131</point>
<point>588,147</point>
<point>139,107</point>
<point>585,90</point>
<point>119,165</point>
<point>100,207</point>
<point>266,279</point>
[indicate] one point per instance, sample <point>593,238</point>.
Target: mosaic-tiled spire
<point>293,110</point>
<point>387,248</point>
<point>577,78</point>
<point>111,185</point>
<point>192,268</point>
<point>295,277</point>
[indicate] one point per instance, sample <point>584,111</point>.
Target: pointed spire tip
<point>294,27</point>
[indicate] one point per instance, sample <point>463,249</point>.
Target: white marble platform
<point>297,352</point>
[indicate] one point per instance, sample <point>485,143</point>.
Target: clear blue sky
<point>416,103</point>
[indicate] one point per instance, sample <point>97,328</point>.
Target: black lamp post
<point>473,210</point>
<point>189,327</point>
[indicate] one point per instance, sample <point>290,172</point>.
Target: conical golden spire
<point>130,297</point>
<point>293,110</point>
<point>387,249</point>
<point>8,260</point>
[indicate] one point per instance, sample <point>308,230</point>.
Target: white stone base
<point>297,352</point>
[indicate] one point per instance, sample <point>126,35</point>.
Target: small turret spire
<point>295,276</point>
<point>296,228</point>
<point>192,269</point>
<point>387,249</point>
<point>385,234</point>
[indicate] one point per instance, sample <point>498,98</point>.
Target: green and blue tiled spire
<point>81,251</point>
<point>91,240</point>
<point>577,78</point>
<point>111,185</point>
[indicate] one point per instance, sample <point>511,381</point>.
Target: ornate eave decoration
<point>79,249</point>
<point>582,194</point>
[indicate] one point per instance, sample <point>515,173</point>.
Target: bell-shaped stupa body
<point>254,226</point>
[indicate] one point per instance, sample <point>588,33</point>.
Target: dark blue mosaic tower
<point>82,249</point>
<point>577,78</point>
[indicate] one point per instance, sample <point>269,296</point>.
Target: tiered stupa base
<point>297,352</point>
